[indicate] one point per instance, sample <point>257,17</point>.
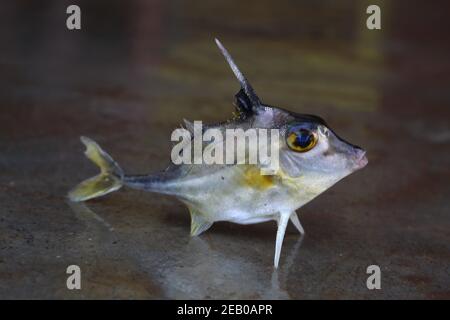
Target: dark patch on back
<point>243,103</point>
<point>302,117</point>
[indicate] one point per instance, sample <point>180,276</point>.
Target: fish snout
<point>359,158</point>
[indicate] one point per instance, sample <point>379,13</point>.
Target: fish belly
<point>238,195</point>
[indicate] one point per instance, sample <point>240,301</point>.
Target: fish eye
<point>300,139</point>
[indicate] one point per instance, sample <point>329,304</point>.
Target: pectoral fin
<point>198,223</point>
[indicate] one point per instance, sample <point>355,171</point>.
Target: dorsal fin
<point>243,103</point>
<point>246,98</point>
<point>189,126</point>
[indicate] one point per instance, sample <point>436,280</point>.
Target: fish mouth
<point>360,160</point>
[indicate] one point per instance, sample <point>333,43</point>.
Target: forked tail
<point>108,180</point>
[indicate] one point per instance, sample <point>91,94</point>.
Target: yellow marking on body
<point>253,178</point>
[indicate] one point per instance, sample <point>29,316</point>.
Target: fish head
<point>311,150</point>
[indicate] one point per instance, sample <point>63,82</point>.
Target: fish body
<point>312,158</point>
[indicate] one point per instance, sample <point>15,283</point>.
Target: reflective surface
<point>135,70</point>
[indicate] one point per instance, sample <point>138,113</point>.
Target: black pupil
<point>303,139</point>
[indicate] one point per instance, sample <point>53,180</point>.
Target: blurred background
<point>137,68</point>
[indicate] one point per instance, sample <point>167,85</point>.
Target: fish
<point>312,158</point>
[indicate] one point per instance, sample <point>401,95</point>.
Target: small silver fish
<point>312,158</point>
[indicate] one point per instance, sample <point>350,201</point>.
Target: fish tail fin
<point>108,180</point>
